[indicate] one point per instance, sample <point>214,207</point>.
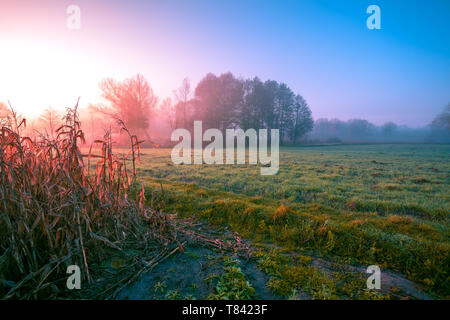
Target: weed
<point>232,285</point>
<point>160,287</point>
<point>55,214</point>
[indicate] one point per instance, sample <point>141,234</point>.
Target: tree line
<point>360,130</point>
<point>225,102</point>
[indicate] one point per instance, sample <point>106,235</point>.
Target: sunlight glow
<point>39,75</point>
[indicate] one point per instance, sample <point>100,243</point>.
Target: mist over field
<point>227,102</point>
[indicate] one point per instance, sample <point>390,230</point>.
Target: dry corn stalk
<point>54,214</point>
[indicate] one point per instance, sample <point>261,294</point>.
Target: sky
<point>322,49</point>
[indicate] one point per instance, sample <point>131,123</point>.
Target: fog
<point>360,130</point>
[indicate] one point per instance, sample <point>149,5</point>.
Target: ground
<point>310,231</point>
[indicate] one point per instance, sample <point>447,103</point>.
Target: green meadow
<point>329,213</point>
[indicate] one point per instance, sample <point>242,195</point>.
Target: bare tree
<point>182,94</point>
<point>130,100</point>
<point>168,109</point>
<point>51,120</point>
<point>5,115</point>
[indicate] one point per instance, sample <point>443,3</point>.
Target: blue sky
<point>322,49</point>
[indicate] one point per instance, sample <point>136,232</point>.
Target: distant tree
<point>272,105</point>
<point>168,109</point>
<point>388,128</point>
<point>303,122</point>
<point>223,102</point>
<point>95,122</point>
<point>3,109</point>
<point>284,110</point>
<point>269,106</point>
<point>250,112</point>
<point>130,100</point>
<point>338,128</point>
<point>440,126</point>
<point>217,101</point>
<point>360,128</point>
<point>51,120</point>
<point>258,106</point>
<point>183,95</point>
<point>5,114</point>
<point>320,129</point>
<point>12,119</point>
<point>442,120</point>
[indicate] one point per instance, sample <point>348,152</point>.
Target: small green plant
<point>160,287</point>
<point>232,285</point>
<point>293,295</point>
<point>209,279</point>
<point>173,295</point>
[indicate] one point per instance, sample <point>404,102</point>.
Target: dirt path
<point>192,273</point>
<point>392,284</point>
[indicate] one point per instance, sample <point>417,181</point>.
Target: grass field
<point>330,212</point>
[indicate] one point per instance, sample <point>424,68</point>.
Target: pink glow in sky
<point>321,49</point>
<point>43,63</point>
